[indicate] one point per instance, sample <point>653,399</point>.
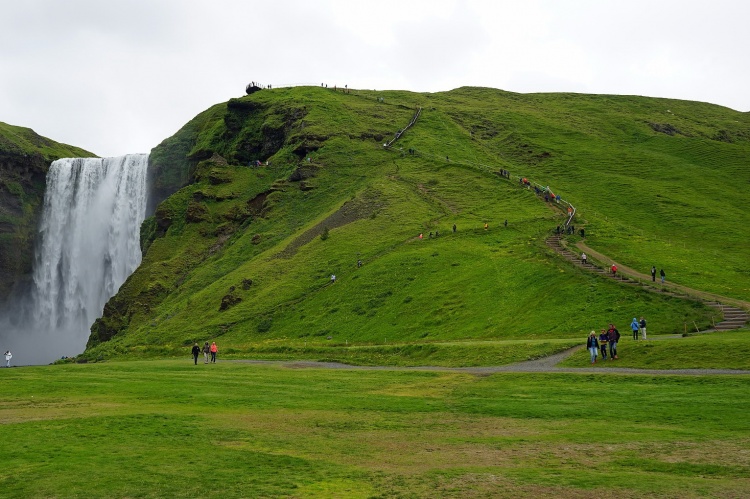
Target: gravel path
<point>544,365</point>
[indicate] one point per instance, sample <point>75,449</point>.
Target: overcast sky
<point>117,77</point>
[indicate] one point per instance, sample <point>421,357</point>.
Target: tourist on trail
<point>584,258</point>
<point>196,352</point>
<point>643,328</point>
<point>614,270</point>
<point>582,232</point>
<point>593,346</point>
<point>613,335</point>
<point>653,274</point>
<point>603,340</point>
<point>635,327</point>
<point>333,277</point>
<point>663,275</point>
<point>206,351</point>
<point>214,350</point>
<point>485,226</point>
<point>8,356</point>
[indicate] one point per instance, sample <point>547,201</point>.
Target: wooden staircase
<point>733,317</point>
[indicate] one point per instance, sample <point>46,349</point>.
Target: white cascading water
<point>88,245</point>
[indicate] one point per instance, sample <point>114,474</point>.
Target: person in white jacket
<point>8,356</point>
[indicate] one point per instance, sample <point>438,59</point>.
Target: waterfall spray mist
<point>88,244</point>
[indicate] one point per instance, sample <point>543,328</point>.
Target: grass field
<point>172,429</point>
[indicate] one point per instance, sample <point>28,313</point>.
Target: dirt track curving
<point>545,365</point>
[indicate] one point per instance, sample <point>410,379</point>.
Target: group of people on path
<point>207,350</point>
<point>638,327</point>
<point>662,274</point>
<point>609,338</point>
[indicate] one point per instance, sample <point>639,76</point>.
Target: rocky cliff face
<point>24,159</point>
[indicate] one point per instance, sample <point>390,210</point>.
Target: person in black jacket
<point>593,346</point>
<point>614,336</point>
<point>196,353</point>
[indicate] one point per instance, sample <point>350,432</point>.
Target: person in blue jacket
<point>593,346</point>
<point>635,326</point>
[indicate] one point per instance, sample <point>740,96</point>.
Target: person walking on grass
<point>653,274</point>
<point>663,275</point>
<point>635,327</point>
<point>214,349</point>
<point>593,346</point>
<point>196,352</point>
<point>8,356</point>
<point>642,324</point>
<point>613,335</point>
<point>206,351</point>
<point>603,340</point>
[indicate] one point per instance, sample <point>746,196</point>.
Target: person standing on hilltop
<point>8,356</point>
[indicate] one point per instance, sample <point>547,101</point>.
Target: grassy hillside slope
<point>244,254</point>
<point>24,159</point>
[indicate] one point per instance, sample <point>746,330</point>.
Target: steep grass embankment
<point>234,255</point>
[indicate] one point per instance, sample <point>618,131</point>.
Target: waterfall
<point>88,244</point>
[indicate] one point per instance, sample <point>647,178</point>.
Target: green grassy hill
<point>25,157</point>
<point>244,255</point>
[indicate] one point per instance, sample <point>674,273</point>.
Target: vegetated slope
<point>24,160</point>
<point>246,253</point>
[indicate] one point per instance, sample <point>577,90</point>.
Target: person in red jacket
<point>214,350</point>
<point>614,270</point>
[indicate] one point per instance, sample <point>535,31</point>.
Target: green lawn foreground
<point>174,429</point>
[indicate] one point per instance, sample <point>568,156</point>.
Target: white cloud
<point>120,76</point>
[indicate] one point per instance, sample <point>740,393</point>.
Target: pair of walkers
<point>638,327</point>
<point>208,350</point>
<point>608,338</point>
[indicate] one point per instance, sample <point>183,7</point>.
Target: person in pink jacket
<point>214,349</point>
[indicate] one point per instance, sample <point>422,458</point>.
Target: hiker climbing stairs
<point>733,317</point>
